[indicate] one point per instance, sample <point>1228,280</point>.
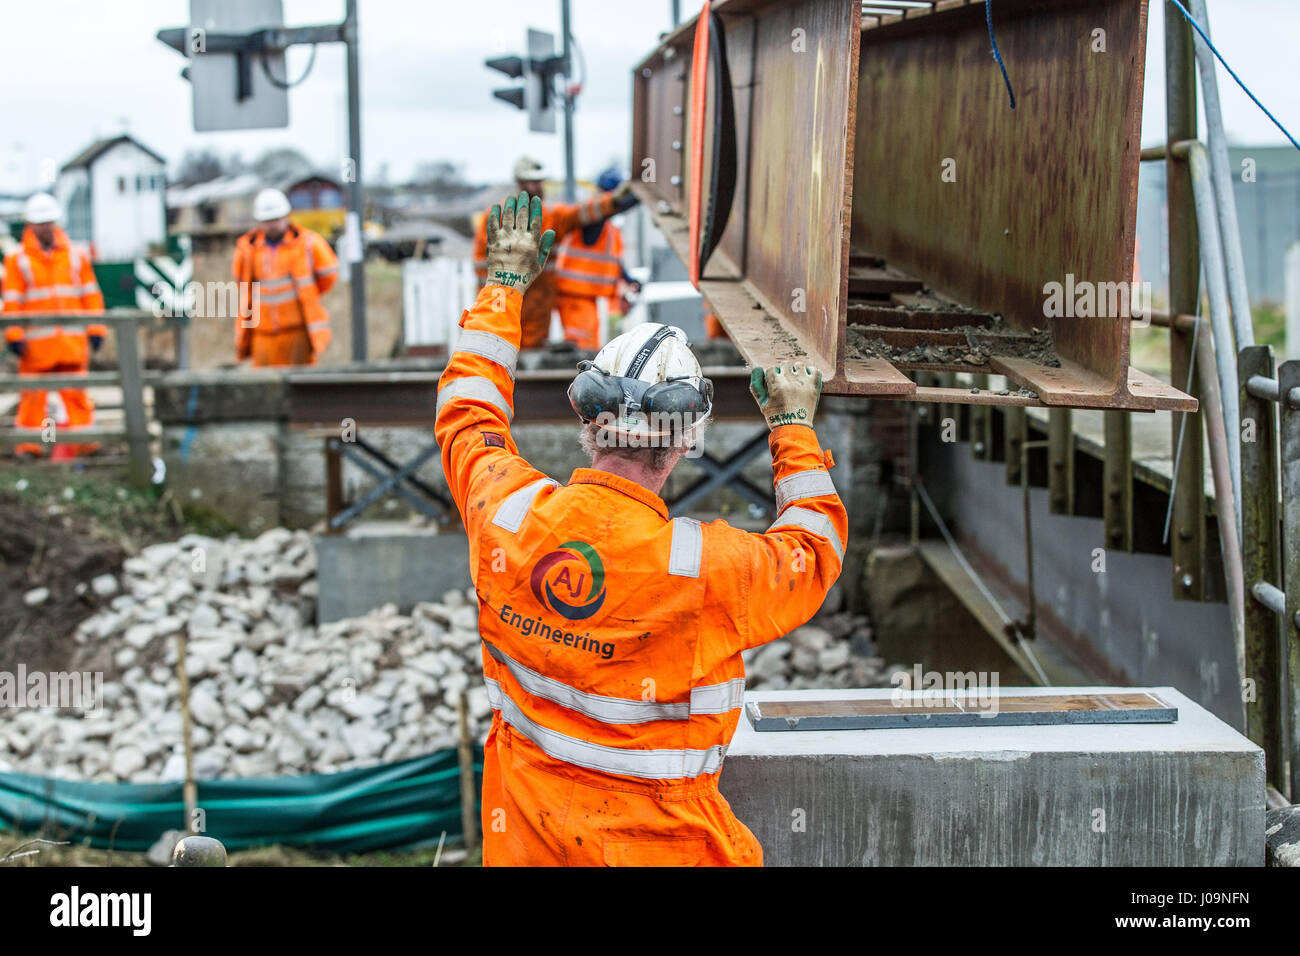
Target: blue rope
<point>1197,27</point>
<point>997,54</point>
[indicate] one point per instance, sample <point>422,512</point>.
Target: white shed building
<point>113,197</point>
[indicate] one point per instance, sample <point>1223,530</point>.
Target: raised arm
<point>786,571</point>
<point>476,390</point>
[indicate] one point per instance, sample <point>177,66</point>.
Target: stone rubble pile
<point>834,650</point>
<point>273,694</point>
<point>270,694</point>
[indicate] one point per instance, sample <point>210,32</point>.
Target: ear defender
<point>594,392</point>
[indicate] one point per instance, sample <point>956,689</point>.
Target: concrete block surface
<point>1189,793</point>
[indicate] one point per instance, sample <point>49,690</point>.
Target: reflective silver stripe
<point>687,549</point>
<point>42,332</point>
<point>608,710</point>
<point>90,288</point>
<point>472,386</point>
<point>490,346</point>
<point>25,267</point>
<point>328,270</point>
<point>276,298</point>
<point>37,293</point>
<point>12,295</point>
<point>718,698</point>
<point>649,764</point>
<point>803,484</point>
<point>571,253</point>
<point>323,324</point>
<point>304,281</point>
<point>512,512</point>
<point>813,521</point>
<point>585,277</point>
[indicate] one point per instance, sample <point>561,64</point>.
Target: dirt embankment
<point>55,553</point>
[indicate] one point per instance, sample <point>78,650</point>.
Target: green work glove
<point>517,247</point>
<point>786,394</point>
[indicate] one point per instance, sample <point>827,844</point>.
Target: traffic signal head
<point>513,95</point>
<point>511,66</point>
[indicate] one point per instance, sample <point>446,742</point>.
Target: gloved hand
<point>623,197</point>
<point>517,247</point>
<point>786,394</point>
<point>95,342</point>
<point>18,347</point>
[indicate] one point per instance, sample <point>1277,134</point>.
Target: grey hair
<point>594,439</point>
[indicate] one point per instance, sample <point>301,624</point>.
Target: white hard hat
<point>529,170</point>
<point>42,207</point>
<point>271,204</point>
<point>645,382</point>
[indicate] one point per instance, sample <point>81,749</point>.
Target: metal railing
<point>130,376</point>
<point>1270,459</point>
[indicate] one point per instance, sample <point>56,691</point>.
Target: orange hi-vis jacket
<point>611,632</point>
<point>540,299</point>
<point>58,280</point>
<point>583,274</point>
<point>291,277</point>
<point>592,271</point>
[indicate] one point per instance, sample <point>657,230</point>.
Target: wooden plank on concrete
<point>983,707</point>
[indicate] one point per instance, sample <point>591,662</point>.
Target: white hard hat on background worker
<point>271,204</point>
<point>529,170</point>
<point>42,207</point>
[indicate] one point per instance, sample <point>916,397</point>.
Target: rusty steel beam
<point>321,400</point>
<point>843,124</point>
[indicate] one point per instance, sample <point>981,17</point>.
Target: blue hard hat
<point>609,180</point>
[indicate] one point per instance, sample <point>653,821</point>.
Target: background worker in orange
<point>612,633</point>
<point>47,274</point>
<point>561,220</point>
<point>281,320</point>
<point>589,267</point>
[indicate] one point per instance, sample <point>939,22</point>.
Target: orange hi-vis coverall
<point>55,280</point>
<point>284,323</point>
<point>611,632</point>
<point>540,299</point>
<point>583,274</point>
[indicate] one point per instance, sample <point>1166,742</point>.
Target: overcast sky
<point>76,69</point>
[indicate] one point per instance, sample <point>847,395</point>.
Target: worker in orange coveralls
<point>612,633</point>
<point>47,274</point>
<point>589,267</point>
<point>562,220</point>
<point>282,271</point>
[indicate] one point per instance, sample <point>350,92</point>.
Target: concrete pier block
<point>378,563</point>
<point>1190,793</point>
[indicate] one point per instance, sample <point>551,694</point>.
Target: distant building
<point>222,208</point>
<point>113,198</point>
<point>1266,186</point>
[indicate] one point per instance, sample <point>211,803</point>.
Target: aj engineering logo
<point>570,581</point>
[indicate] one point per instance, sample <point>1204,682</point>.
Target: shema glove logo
<point>561,571</point>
